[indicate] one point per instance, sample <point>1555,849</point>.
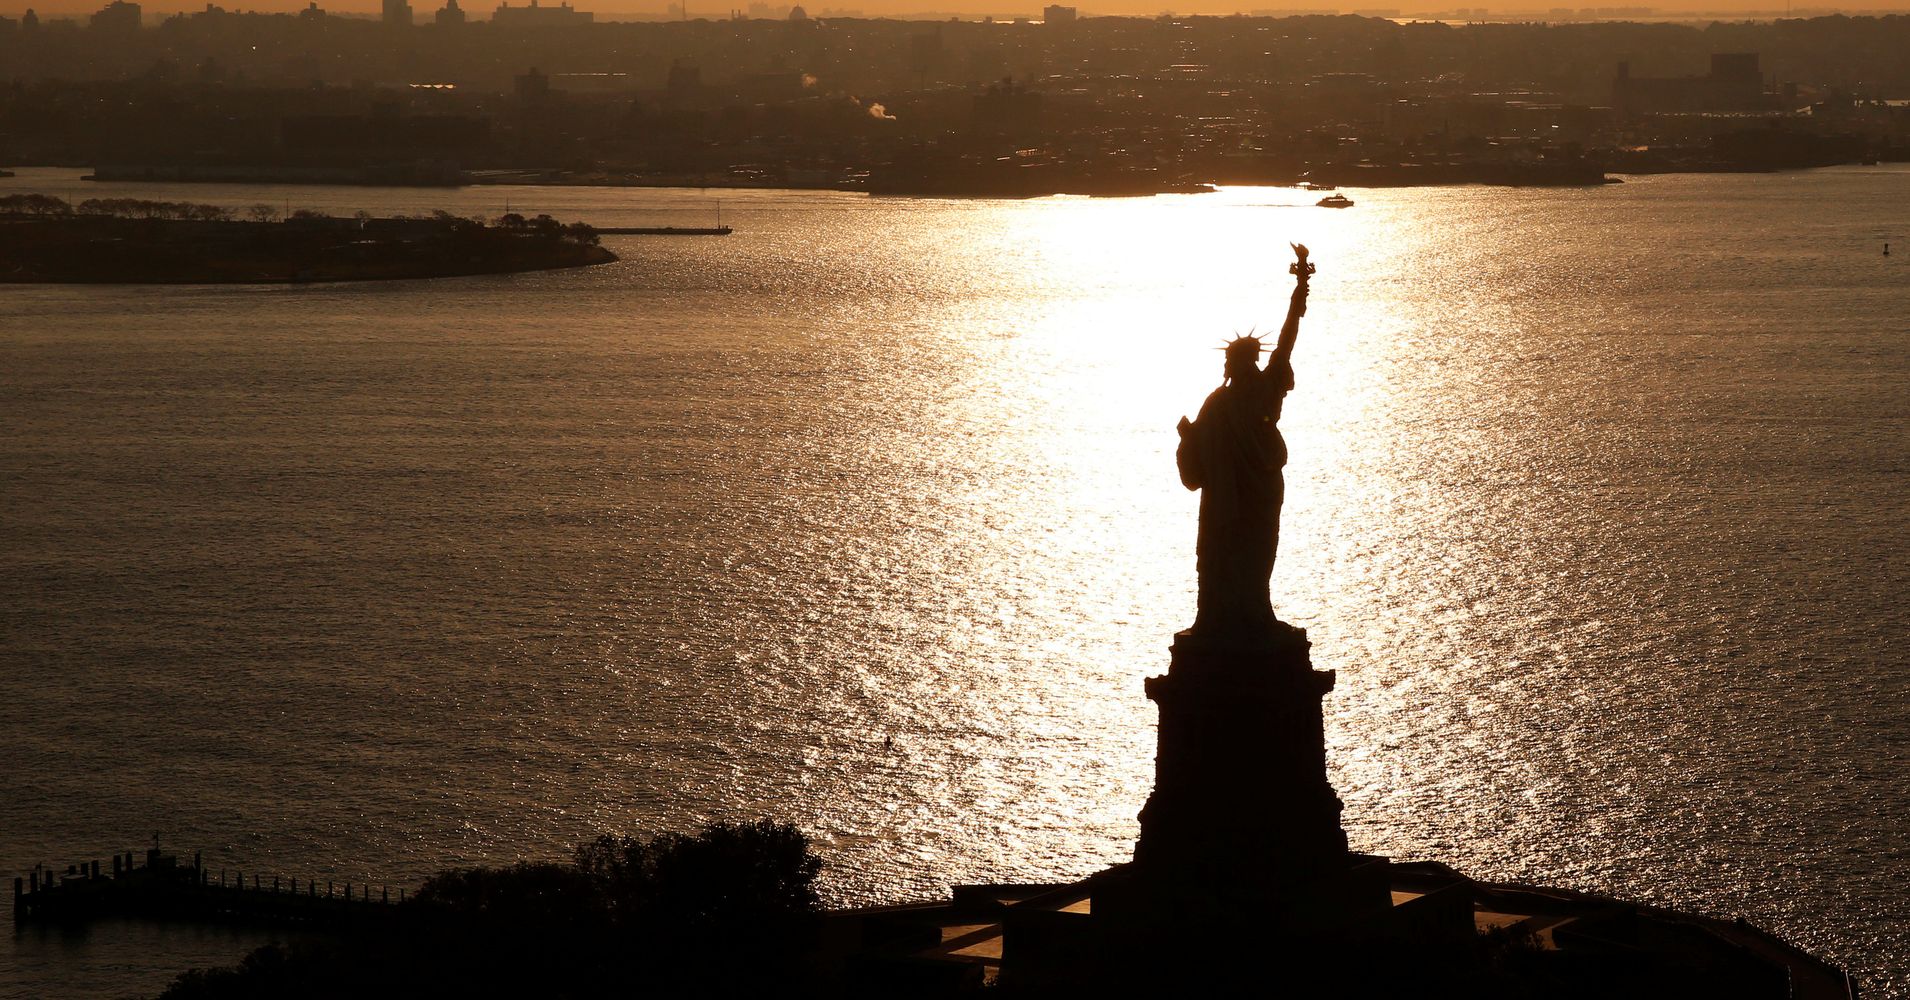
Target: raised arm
<point>1283,351</point>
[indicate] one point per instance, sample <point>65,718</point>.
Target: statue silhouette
<point>1233,453</point>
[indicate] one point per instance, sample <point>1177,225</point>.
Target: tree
<point>547,896</point>
<point>729,879</point>
<point>725,912</point>
<point>34,204</point>
<point>263,213</point>
<point>454,223</point>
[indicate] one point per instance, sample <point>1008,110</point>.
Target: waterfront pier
<point>160,886</point>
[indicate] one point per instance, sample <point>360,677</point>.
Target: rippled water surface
<point>866,517</point>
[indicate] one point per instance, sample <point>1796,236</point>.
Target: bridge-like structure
<point>162,887</point>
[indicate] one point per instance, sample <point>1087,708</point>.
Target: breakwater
<point>664,231</point>
<point>161,886</point>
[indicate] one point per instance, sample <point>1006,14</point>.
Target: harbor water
<point>866,517</point>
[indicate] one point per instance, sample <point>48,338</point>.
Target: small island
<point>134,241</point>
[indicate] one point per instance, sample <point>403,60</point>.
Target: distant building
<point>1057,14</point>
<point>397,13</point>
<point>684,77</point>
<point>534,16</point>
<point>29,20</point>
<point>533,87</point>
<point>312,12</point>
<point>796,13</point>
<point>1006,107</point>
<point>383,133</point>
<point>1735,83</point>
<point>450,15</point>
<point>118,17</point>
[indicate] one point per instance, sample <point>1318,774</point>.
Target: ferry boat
<point>1335,201</point>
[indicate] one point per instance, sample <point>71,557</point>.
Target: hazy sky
<point>719,8</point>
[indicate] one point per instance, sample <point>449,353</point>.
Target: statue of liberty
<point>1233,453</point>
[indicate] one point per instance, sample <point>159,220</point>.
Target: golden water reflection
<point>1508,518</point>
<point>867,518</point>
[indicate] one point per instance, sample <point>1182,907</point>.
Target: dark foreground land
<point>73,247</point>
<point>733,910</point>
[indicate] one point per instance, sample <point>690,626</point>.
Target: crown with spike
<point>1244,349</point>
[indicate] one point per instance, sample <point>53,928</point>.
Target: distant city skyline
<point>938,9</point>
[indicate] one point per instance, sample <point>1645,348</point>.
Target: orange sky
<point>613,9</point>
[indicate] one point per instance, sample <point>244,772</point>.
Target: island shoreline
<point>47,242</point>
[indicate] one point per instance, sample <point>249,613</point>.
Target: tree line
<point>119,208</point>
<point>731,910</point>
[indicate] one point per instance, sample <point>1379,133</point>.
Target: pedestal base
<point>1242,870</point>
<point>1338,934</point>
<point>1241,805</point>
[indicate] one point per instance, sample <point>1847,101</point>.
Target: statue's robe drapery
<point>1233,454</point>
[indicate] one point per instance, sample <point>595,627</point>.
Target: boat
<point>1335,201</point>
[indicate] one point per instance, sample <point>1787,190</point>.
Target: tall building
<point>397,12</point>
<point>560,16</point>
<point>451,15</point>
<point>1735,83</point>
<point>1057,14</point>
<point>118,17</point>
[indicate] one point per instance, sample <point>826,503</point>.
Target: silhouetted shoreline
<point>64,247</point>
<point>735,906</point>
<point>984,181</point>
<point>1032,180</point>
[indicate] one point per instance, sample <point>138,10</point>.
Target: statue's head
<point>1243,357</point>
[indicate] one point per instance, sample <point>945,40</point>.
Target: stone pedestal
<point>1241,801</point>
<point>1242,872</point>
